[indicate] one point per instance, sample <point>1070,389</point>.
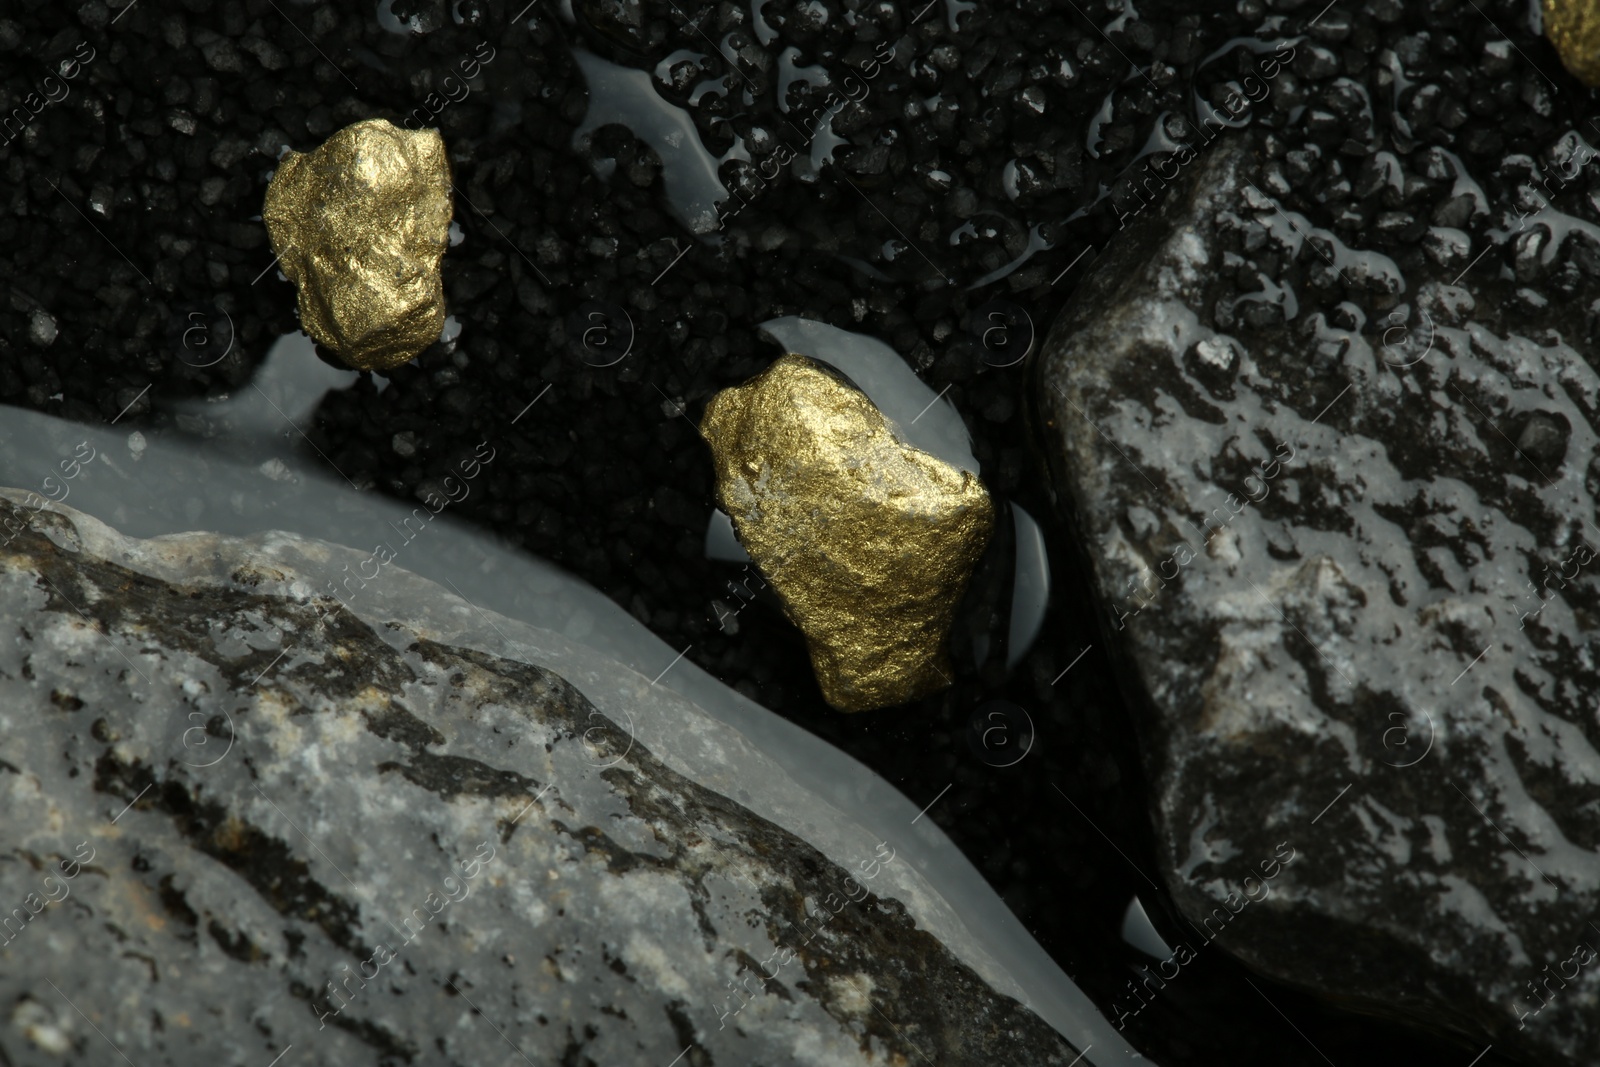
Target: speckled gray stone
<point>240,816</point>
<point>1315,545</point>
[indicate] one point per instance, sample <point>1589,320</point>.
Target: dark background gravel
<point>132,252</point>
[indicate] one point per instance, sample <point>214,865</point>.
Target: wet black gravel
<point>132,253</point>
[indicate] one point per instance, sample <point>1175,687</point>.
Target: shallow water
<point>148,489</point>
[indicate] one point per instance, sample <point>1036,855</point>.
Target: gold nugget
<point>868,542</point>
<point>360,224</point>
<point>1573,26</point>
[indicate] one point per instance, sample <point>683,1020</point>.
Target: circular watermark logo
<point>1004,332</point>
<point>1407,742</point>
<point>600,333</point>
<point>197,739</point>
<point>602,741</point>
<point>1401,346</point>
<point>206,337</point>
<point>1000,732</point>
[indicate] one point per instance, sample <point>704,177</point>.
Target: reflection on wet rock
<point>1030,587</point>
<point>868,542</point>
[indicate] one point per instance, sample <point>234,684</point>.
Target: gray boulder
<point>246,820</point>
<point>1341,519</point>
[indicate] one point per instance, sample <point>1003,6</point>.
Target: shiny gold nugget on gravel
<point>359,225</point>
<point>1573,26</point>
<point>868,542</point>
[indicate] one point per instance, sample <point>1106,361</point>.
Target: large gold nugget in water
<point>1573,26</point>
<point>359,225</point>
<point>868,542</point>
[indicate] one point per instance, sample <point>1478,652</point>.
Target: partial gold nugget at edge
<point>359,224</point>
<point>868,542</point>
<point>1573,26</point>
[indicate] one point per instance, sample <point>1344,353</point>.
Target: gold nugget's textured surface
<point>1573,26</point>
<point>868,542</point>
<point>359,225</point>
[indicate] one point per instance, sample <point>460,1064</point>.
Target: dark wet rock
<point>620,23</point>
<point>240,817</point>
<point>1347,556</point>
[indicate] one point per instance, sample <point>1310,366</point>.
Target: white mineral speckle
<point>1192,255</point>
<point>1203,850</point>
<point>852,993</point>
<point>1438,840</point>
<point>1224,546</point>
<point>42,328</point>
<point>39,1027</point>
<point>642,954</point>
<point>1216,351</point>
<point>276,470</point>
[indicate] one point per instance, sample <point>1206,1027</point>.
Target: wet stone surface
<point>134,273</point>
<point>1348,556</point>
<point>237,821</point>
